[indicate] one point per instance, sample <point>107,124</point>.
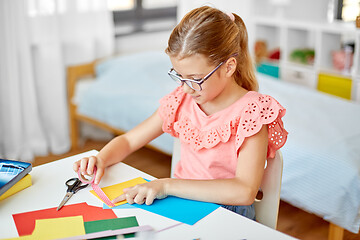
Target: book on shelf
<point>11,172</point>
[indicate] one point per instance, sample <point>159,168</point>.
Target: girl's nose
<point>187,89</point>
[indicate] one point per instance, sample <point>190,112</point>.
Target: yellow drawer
<point>335,85</point>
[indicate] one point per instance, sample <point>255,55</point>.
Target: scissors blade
<point>68,195</point>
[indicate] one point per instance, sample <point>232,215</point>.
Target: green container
<point>271,69</point>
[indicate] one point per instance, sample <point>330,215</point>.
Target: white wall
<point>142,42</point>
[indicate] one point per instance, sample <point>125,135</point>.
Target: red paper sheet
<point>25,222</point>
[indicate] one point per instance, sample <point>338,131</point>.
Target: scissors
<point>73,185</point>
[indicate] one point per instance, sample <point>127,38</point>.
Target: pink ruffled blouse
<point>210,144</point>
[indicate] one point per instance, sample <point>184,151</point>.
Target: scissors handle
<point>74,185</point>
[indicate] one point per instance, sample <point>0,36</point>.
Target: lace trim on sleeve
<point>263,110</point>
<point>169,105</point>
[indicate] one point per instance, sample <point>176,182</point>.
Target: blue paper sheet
<point>179,209</point>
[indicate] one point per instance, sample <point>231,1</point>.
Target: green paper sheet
<point>111,224</point>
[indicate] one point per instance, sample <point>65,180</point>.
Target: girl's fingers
<point>130,194</point>
<point>87,166</point>
<point>139,194</point>
<point>91,164</point>
<point>129,198</point>
<point>119,199</point>
<point>150,198</point>
<point>76,166</point>
<point>99,174</point>
<point>140,198</point>
<point>83,165</point>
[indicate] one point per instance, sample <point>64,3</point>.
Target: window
<point>132,16</point>
<point>347,10</point>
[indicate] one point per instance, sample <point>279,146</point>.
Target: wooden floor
<point>292,221</point>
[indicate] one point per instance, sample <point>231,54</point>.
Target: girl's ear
<point>230,65</point>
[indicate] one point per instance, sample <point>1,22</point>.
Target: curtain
<point>38,40</point>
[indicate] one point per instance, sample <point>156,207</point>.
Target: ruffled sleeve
<point>169,106</point>
<point>243,120</point>
<point>262,109</point>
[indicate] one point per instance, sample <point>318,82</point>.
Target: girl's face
<point>197,67</point>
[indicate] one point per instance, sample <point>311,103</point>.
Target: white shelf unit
<point>321,36</point>
<point>356,64</point>
<point>299,24</point>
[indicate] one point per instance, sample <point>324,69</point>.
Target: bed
<point>321,158</point>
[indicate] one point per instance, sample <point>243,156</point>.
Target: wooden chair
<point>267,208</point>
<point>175,156</point>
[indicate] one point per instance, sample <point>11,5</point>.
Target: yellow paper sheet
<point>116,190</point>
<point>56,228</point>
<point>20,185</point>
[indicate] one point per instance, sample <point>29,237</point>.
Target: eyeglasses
<point>192,83</point>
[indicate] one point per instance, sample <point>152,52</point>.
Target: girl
<point>226,128</point>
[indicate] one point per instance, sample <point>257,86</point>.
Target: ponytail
<point>245,70</point>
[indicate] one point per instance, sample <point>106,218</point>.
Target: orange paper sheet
<point>116,190</point>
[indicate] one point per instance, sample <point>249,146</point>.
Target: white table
<point>48,189</point>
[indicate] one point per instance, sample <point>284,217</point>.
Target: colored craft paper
<point>20,185</point>
<point>116,190</point>
<point>57,228</point>
<point>111,224</point>
<point>96,235</point>
<point>25,222</point>
<point>179,209</point>
<point>122,206</point>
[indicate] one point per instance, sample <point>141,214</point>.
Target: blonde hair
<point>212,33</point>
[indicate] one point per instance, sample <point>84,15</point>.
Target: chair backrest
<point>175,156</point>
<point>267,208</point>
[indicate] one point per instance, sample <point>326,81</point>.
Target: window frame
<point>139,16</point>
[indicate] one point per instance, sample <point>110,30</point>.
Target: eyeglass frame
<point>197,81</point>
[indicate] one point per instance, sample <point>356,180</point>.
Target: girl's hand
<point>87,166</point>
<point>144,193</point>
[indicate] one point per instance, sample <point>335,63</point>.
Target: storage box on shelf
<point>337,85</point>
<point>270,68</point>
<point>300,74</point>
